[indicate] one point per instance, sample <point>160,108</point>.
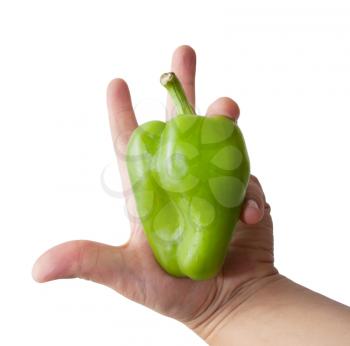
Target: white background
<point>288,67</point>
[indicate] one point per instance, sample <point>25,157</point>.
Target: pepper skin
<point>189,177</point>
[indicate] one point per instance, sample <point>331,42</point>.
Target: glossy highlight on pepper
<point>189,177</point>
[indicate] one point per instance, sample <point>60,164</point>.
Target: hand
<point>132,270</point>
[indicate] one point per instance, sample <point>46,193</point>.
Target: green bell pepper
<point>189,177</point>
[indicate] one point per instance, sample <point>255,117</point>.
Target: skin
<point>245,302</point>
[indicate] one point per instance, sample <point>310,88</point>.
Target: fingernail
<point>252,204</point>
<point>35,272</point>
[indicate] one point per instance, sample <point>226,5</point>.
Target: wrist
<point>217,322</point>
<point>278,311</point>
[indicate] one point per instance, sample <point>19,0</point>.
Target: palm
<point>131,269</point>
<point>250,257</point>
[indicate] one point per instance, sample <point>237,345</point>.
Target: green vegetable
<point>189,178</point>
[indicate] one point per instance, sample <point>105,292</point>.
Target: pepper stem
<point>177,94</point>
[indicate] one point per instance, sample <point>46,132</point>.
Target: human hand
<point>131,269</point>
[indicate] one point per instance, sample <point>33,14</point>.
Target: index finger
<point>122,122</point>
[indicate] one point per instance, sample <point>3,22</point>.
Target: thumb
<point>81,259</point>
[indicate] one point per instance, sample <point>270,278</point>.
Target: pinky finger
<point>254,205</point>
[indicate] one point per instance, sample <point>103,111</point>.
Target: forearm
<point>281,312</point>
